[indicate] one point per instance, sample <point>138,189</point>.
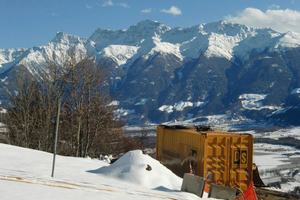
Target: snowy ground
<point>26,174</point>
<point>273,159</point>
<point>268,156</point>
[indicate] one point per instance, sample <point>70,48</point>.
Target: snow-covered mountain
<point>158,73</point>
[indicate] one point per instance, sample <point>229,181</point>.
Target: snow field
<point>26,174</point>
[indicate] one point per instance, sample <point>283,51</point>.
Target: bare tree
<point>70,98</point>
<point>87,119</point>
<point>91,101</point>
<point>22,117</point>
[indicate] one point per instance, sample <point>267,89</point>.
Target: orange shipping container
<point>221,157</point>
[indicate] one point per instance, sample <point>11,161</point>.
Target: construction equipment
<point>222,158</point>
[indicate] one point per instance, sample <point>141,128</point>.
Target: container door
<point>239,175</point>
<point>216,168</point>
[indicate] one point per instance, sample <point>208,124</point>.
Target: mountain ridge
<point>158,73</point>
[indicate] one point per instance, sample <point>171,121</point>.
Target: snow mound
<point>131,167</point>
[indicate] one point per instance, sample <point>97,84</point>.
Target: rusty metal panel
<point>221,157</point>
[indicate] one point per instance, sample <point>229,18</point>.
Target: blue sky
<point>28,23</point>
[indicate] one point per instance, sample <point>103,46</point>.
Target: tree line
<point>289,141</point>
<point>72,88</point>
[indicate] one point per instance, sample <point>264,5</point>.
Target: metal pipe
<point>56,134</point>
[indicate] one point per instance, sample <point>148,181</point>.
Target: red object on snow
<point>249,193</point>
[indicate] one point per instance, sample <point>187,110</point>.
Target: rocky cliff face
<point>159,74</point>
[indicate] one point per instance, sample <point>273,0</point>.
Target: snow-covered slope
<point>9,57</point>
<point>26,174</point>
